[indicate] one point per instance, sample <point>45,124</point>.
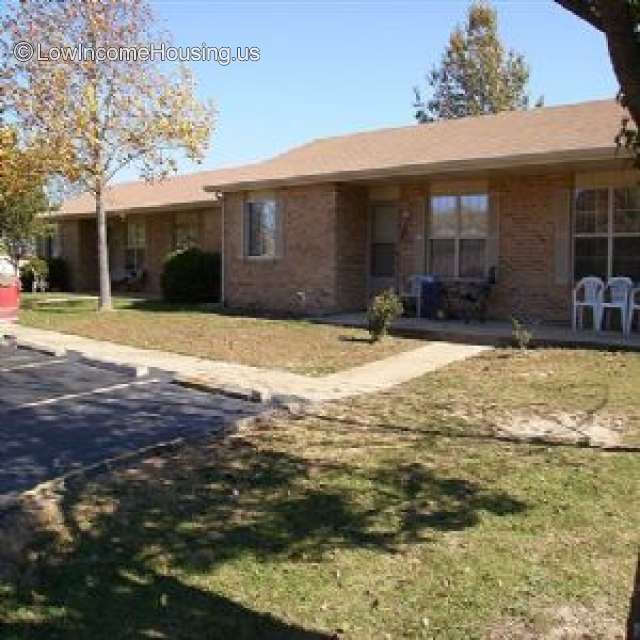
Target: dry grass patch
<point>293,345</point>
<point>382,517</point>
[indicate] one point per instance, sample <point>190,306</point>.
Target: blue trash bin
<point>432,297</point>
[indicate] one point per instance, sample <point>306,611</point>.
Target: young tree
<point>476,75</point>
<point>100,108</point>
<point>20,168</point>
<point>619,21</point>
<point>23,198</point>
<point>21,223</point>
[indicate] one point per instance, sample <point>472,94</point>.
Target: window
<point>261,229</point>
<point>384,222</point>
<point>48,246</point>
<point>186,231</point>
<point>136,244</point>
<point>458,230</point>
<point>607,233</point>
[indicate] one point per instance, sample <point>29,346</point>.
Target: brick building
<point>536,199</point>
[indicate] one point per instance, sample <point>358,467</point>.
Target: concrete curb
<point>291,403</point>
<point>58,352</point>
<point>251,394</point>
<point>134,370</point>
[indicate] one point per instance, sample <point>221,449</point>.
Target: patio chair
<point>413,291</point>
<point>616,296</point>
<point>39,284</point>
<point>634,305</point>
<point>587,294</point>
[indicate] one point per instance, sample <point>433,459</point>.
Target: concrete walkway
<point>494,332</point>
<point>268,383</point>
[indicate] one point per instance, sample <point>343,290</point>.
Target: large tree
<point>619,21</point>
<point>476,74</point>
<point>98,112</point>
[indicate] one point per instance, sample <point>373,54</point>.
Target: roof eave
<point>123,211</point>
<point>426,169</point>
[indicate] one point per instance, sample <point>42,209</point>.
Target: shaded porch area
<point>493,332</point>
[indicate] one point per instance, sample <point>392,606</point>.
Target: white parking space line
<point>83,394</point>
<point>31,365</point>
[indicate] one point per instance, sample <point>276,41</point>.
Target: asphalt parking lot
<point>58,415</point>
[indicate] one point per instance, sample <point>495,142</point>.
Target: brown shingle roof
<point>571,132</point>
<point>577,131</point>
<point>185,190</point>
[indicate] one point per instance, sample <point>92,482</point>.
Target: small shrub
<point>58,274</point>
<point>521,335</point>
<point>35,269</point>
<point>383,310</point>
<point>191,275</point>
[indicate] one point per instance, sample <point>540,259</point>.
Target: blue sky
<point>335,66</point>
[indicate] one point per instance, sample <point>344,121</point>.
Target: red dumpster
<point>9,298</point>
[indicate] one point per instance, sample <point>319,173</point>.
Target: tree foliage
<point>21,167</point>
<point>476,74</point>
<point>23,199</point>
<point>619,21</point>
<point>98,114</point>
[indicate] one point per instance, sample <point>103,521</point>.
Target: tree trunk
<point>624,49</point>
<point>614,18</point>
<point>103,253</point>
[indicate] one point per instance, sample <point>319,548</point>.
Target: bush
<point>521,335</point>
<point>58,274</point>
<point>192,275</point>
<point>383,310</point>
<point>34,269</point>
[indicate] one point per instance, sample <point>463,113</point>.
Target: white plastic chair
<point>587,294</point>
<point>413,291</point>
<point>616,296</point>
<point>634,305</point>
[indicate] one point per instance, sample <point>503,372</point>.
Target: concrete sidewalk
<point>265,383</point>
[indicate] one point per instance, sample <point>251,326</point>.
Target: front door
<point>383,233</point>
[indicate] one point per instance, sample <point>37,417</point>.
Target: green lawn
<point>293,345</point>
<point>395,516</point>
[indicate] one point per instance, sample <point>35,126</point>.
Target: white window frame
<point>610,235</point>
<point>246,237</point>
<point>459,236</point>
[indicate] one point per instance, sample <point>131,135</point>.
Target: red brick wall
<point>302,278</point>
<point>325,253</point>
<point>78,245</point>
<point>531,210</point>
<point>211,230</point>
<point>323,262</point>
<point>69,233</point>
<point>352,250</point>
<point>159,237</point>
<point>411,241</point>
